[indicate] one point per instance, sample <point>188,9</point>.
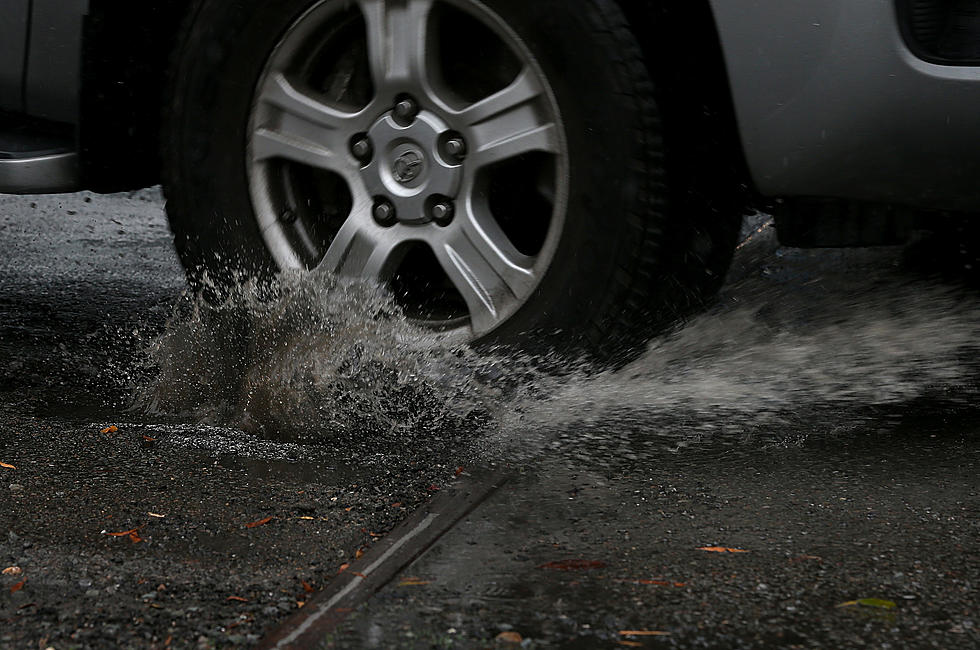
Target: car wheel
<point>496,163</point>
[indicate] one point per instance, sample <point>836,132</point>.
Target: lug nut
<point>456,148</point>
<point>406,109</point>
<point>442,212</point>
<point>361,148</point>
<point>384,212</point>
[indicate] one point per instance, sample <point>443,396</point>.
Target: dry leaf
<point>12,571</point>
<point>300,603</point>
<point>642,633</point>
<point>135,538</point>
<point>358,574</point>
<point>238,598</point>
<point>343,567</point>
<point>459,470</point>
<point>153,514</point>
<point>630,644</point>
<point>110,429</point>
<point>17,587</point>
<point>509,637</point>
<point>306,587</point>
<point>413,582</point>
<point>721,549</point>
<point>877,603</point>
<point>260,522</point>
<point>149,439</point>
<point>396,504</point>
<point>7,465</point>
<point>307,517</point>
<point>358,554</point>
<point>664,583</point>
<point>125,533</point>
<point>573,565</point>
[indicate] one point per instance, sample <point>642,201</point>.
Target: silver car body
<point>830,101</point>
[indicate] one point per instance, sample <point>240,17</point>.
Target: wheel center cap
<point>407,166</point>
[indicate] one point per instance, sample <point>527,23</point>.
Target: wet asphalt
<point>837,488</point>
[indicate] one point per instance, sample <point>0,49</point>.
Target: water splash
<point>796,337</point>
<point>317,358</point>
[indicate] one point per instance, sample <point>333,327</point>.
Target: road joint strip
<point>377,567</point>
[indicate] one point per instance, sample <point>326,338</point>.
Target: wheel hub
<point>408,169</point>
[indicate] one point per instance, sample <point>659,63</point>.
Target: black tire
<point>628,263</point>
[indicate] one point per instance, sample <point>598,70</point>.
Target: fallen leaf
<point>358,574</point>
<point>149,439</point>
<point>125,533</point>
<point>643,633</point>
<point>358,554</point>
<point>721,549</point>
<point>396,504</point>
<point>349,509</point>
<point>154,514</point>
<point>135,538</point>
<point>573,565</point>
<point>459,470</point>
<point>664,583</point>
<point>509,637</point>
<point>238,598</point>
<point>300,603</point>
<point>260,522</point>
<point>434,488</point>
<point>306,586</point>
<point>343,567</point>
<point>304,517</point>
<point>26,605</point>
<point>17,587</point>
<point>413,582</point>
<point>12,571</point>
<point>878,603</point>
<point>110,429</point>
<point>7,465</point>
<point>631,644</point>
<point>169,640</point>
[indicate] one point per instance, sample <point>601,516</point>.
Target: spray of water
<point>794,337</point>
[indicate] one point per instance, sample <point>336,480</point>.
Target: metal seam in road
<point>397,551</point>
<point>354,584</point>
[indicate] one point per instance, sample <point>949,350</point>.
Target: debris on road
<point>260,522</point>
<point>721,549</point>
<point>877,603</point>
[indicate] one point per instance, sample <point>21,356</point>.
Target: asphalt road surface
<point>796,468</point>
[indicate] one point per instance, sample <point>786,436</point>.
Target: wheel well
<point>126,54</point>
<point>683,52</point>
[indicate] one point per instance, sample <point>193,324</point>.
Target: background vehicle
<point>570,172</point>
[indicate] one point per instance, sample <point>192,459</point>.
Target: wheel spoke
<point>486,269</point>
<point>364,250</point>
<point>509,123</point>
<point>397,32</point>
<point>304,130</point>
